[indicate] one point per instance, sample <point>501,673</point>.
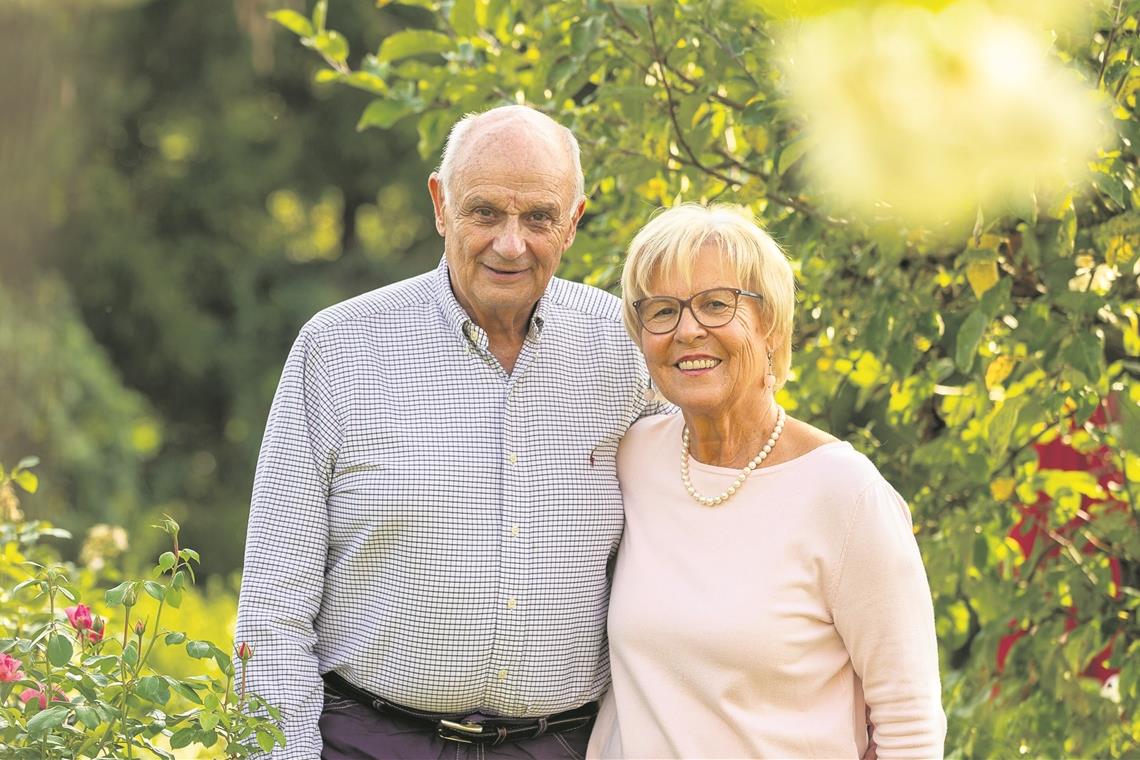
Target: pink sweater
<point>762,627</point>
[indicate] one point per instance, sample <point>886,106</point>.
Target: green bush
<point>87,672</point>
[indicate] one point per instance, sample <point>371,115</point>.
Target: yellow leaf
<point>982,275</point>
<point>999,370</point>
<point>1002,488</point>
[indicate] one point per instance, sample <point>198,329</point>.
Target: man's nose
<point>509,242</point>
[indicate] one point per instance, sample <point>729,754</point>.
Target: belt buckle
<point>466,727</point>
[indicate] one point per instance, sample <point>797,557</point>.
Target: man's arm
<point>287,548</point>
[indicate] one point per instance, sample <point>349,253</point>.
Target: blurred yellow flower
<point>937,113</point>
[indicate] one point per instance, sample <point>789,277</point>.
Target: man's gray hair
<point>463,128</point>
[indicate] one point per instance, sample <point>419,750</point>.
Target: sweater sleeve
<point>882,609</point>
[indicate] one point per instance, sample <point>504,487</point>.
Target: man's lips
<point>503,272</point>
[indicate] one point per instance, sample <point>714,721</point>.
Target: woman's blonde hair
<point>667,248</point>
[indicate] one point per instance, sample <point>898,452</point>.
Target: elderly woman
<point>768,589</point>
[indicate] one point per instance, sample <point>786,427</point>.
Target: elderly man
<point>436,504</point>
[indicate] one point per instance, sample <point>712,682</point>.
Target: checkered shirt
<point>435,530</point>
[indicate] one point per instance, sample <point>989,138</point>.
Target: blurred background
<point>178,198</point>
<point>184,183</point>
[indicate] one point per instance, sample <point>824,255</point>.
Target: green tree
<point>189,198</point>
<point>951,354</point>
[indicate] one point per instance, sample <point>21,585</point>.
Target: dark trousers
<point>351,731</point>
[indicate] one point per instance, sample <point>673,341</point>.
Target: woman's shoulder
<point>654,426</point>
<point>837,472</point>
<point>650,434</point>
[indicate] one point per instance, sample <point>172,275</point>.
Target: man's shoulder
<point>410,293</point>
<point>586,300</point>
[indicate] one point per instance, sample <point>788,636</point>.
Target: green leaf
<point>125,593</point>
<point>293,21</point>
<point>1112,187</point>
<point>1130,424</point>
<point>46,720</point>
<point>174,637</point>
<point>208,721</point>
<point>320,14</point>
<point>27,463</point>
<point>791,154</point>
<point>131,653</point>
<point>166,562</point>
<point>264,740</point>
<point>332,45</point>
<point>463,18</point>
<point>183,737</point>
<point>27,480</point>
<point>383,113</point>
<point>88,716</point>
<point>969,336</point>
<point>182,690</point>
<point>414,42</point>
<point>154,689</point>
<point>59,650</point>
<point>199,649</point>
<point>1001,427</point>
<point>367,81</point>
<point>1084,353</point>
<point>433,127</point>
<point>174,597</point>
<point>155,590</point>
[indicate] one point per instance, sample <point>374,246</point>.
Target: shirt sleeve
<point>882,609</point>
<point>287,547</point>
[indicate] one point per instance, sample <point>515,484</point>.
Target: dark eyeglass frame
<point>687,303</point>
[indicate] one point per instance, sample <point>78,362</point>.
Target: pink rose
<point>28,694</point>
<point>9,669</point>
<point>80,617</point>
<point>244,651</point>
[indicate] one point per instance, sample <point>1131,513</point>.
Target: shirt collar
<point>459,321</point>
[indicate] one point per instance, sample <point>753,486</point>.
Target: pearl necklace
<point>716,501</point>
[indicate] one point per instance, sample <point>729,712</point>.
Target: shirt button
<point>512,457</point>
<point>514,531</point>
<point>503,674</point>
<point>512,603</point>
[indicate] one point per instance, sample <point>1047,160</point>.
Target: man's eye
<point>485,213</point>
<point>541,217</point>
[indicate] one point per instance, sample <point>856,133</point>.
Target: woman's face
<point>708,371</point>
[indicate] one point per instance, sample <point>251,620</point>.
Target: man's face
<point>506,219</point>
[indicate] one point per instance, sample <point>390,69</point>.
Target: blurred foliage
<point>988,365</point>
<point>187,198</point>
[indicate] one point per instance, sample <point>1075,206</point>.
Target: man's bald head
<point>508,124</point>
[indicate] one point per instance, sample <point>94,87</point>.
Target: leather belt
<point>467,728</point>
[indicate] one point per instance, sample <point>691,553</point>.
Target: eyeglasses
<point>715,307</point>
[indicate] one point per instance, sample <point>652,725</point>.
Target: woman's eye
<point>662,312</point>
<point>715,307</point>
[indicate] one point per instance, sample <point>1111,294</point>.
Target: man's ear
<point>435,189</point>
<point>581,209</point>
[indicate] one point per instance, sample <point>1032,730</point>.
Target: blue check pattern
<point>433,529</point>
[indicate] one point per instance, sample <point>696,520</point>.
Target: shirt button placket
<point>510,638</point>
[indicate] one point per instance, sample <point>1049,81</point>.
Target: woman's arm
<point>881,604</point>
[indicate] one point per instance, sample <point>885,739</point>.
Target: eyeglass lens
<point>711,308</point>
